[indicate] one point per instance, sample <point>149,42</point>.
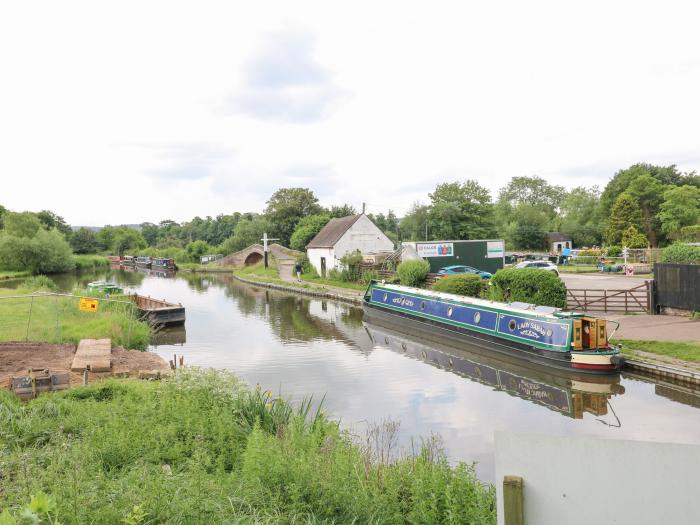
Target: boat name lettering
<point>532,329</point>
<point>403,301</point>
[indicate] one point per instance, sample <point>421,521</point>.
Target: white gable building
<point>342,236</point>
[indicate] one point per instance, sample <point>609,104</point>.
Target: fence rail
<point>633,300</point>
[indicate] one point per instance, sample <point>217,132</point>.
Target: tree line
<point>643,205</point>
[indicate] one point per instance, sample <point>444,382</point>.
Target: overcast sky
<point>144,111</point>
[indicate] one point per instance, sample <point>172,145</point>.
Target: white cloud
<point>377,102</point>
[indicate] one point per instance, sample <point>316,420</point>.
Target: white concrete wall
<point>315,254</point>
<point>363,236</point>
<point>586,480</point>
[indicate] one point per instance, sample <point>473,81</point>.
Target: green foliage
<point>351,271</point>
<point>204,448</point>
<point>368,276</point>
<point>461,211</point>
<point>632,238</point>
<point>308,269</point>
<point>24,224</point>
<point>689,233</point>
<point>528,285</point>
<point>578,216</point>
<point>680,209</point>
<point>681,253</point>
<point>625,213</point>
<point>248,231</point>
<point>412,273</point>
<point>84,240</point>
<point>46,252</point>
<point>286,207</point>
<point>90,262</point>
<point>464,284</point>
<point>614,251</point>
<point>49,220</point>
<point>307,228</point>
<point>415,225</point>
<point>592,253</point>
<point>195,250</point>
<point>39,283</point>
<point>127,240</point>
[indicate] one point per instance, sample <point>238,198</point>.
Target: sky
<point>124,112</point>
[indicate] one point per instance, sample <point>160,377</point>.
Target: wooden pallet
<point>94,355</point>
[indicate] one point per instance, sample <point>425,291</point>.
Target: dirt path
<point>17,358</point>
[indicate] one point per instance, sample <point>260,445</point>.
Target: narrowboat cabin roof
<point>516,307</point>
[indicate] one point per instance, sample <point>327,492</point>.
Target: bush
<point>689,233</point>
<point>530,286</point>
<point>613,251</point>
<point>369,275</point>
<point>307,268</point>
<point>681,253</point>
<point>46,252</point>
<point>39,282</point>
<point>466,284</point>
<point>590,253</point>
<point>351,267</point>
<point>412,273</point>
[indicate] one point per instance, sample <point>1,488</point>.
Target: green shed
<point>487,255</point>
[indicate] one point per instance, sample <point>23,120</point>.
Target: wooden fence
<point>635,299</point>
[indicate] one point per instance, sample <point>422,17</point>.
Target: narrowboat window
<point>422,305</point>
<point>511,325</point>
<point>549,333</point>
<point>449,311</point>
<point>477,317</point>
<point>385,296</point>
<point>386,340</point>
<point>424,354</point>
<point>451,363</point>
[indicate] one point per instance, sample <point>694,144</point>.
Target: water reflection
<point>571,395</point>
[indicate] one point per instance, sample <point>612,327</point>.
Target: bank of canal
<point>305,346</point>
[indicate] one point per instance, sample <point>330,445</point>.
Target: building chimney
<point>363,208</point>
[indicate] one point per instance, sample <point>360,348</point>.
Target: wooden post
<point>513,500</point>
<point>174,361</point>
<point>585,300</point>
<point>605,300</point>
<point>85,377</point>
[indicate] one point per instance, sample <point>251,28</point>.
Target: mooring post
<point>58,325</point>
<point>513,500</point>
<point>174,361</point>
<point>29,320</point>
<point>85,377</point>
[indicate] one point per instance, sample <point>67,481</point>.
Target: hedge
<point>470,285</point>
<point>539,287</point>
<point>412,273</point>
<point>681,253</point>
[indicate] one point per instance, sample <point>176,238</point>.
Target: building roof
<point>331,233</point>
<point>556,236</point>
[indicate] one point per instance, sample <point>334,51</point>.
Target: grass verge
<point>686,351</point>
<point>90,262</point>
<point>56,319</point>
<point>334,282</point>
<point>4,275</point>
<point>203,448</point>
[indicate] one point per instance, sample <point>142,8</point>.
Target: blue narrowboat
<point>144,262</point>
<point>540,334</point>
<point>162,263</point>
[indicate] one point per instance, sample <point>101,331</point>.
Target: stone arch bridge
<point>253,254</point>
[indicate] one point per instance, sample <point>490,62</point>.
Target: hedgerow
<point>528,285</point>
<point>466,284</point>
<point>412,273</point>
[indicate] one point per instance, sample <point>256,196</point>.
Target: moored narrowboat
<point>162,263</point>
<point>128,260</point>
<point>143,262</point>
<point>541,334</point>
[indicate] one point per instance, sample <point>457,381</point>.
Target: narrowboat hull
<point>486,328</point>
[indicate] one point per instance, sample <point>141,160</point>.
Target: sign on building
<point>495,249</point>
<point>439,249</point>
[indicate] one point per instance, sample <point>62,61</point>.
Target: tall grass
<point>90,262</point>
<point>204,448</point>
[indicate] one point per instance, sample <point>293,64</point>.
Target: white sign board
<point>435,249</point>
<point>495,250</point>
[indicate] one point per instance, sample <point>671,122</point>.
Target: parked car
<point>456,270</point>
<point>539,265</point>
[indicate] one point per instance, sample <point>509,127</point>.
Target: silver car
<point>539,265</point>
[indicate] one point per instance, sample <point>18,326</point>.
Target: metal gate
<point>637,299</point>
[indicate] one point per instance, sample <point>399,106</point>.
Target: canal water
<point>368,373</point>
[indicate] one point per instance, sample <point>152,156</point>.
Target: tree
<point>625,213</point>
<point>127,240</point>
<point>84,240</point>
<point>648,192</point>
<point>196,249</point>
<point>680,208</point>
<point>415,225</point>
<point>306,230</point>
<point>461,211</point>
<point>45,252</point>
<point>533,191</point>
<point>286,207</point>
<point>150,232</point>
<point>632,238</point>
<point>25,224</point>
<point>578,216</point>
<point>3,211</point>
<point>50,220</point>
<point>342,211</point>
<point>528,231</point>
<point>248,231</point>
